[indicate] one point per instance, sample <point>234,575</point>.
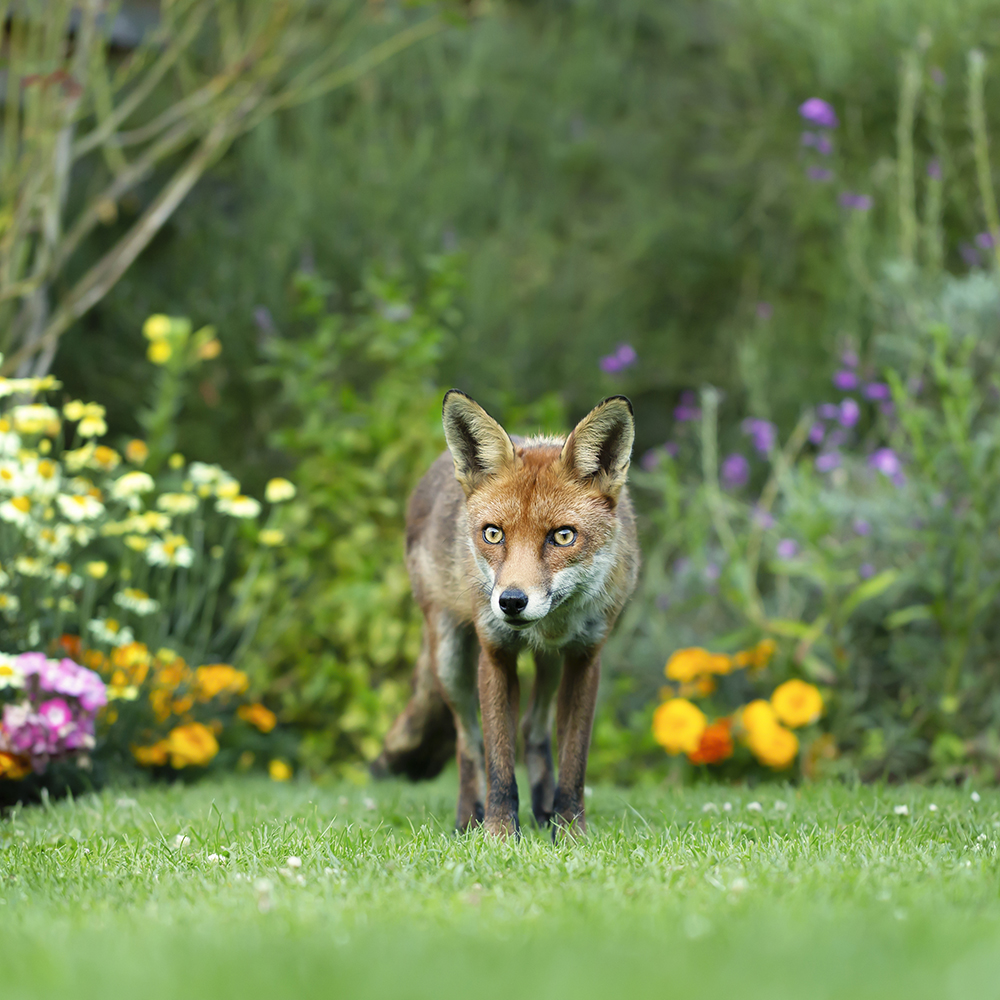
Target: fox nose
<point>513,602</point>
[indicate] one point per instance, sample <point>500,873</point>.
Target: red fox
<point>510,544</point>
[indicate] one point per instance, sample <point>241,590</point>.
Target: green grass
<point>834,895</point>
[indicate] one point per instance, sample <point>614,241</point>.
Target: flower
<point>985,241</point>
<point>278,490</point>
<point>191,744</point>
<point>219,678</point>
<point>827,461</point>
<point>11,675</point>
<point>130,486</point>
<point>210,349</point>
<point>172,551</point>
<point>279,770</point>
<point>157,327</point>
<point>762,433</point>
<point>137,601</point>
<point>106,459</point>
<point>35,418</point>
<point>849,412</point>
<point>787,548</point>
<point>819,112</point>
<point>272,537</point>
<point>30,566</point>
<point>877,390</point>
<point>623,357</point>
<point>687,664</point>
<point>797,703</point>
<point>111,631</point>
<point>258,715</point>
<point>78,507</point>
<point>716,744</point>
<point>845,381</point>
<point>678,726</point>
<point>934,171</point>
<point>820,174</point>
<point>151,756</point>
<point>856,202</point>
<point>177,503</point>
<point>866,570</point>
<point>886,461</point>
<point>97,569</point>
<point>239,506</point>
<point>136,451</point>
<point>14,767</point>
<point>774,746</point>
<point>734,470</point>
<point>159,352</point>
<point>16,510</point>
<point>758,714</point>
<point>764,310</point>
<point>55,713</point>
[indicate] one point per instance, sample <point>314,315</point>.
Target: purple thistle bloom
<point>828,461</point>
<point>886,461</point>
<point>856,202</point>
<point>816,433</point>
<point>762,432</point>
<point>734,471</point>
<point>787,548</point>
<point>764,310</point>
<point>934,171</point>
<point>849,412</point>
<point>828,411</point>
<point>866,571</point>
<point>651,459</point>
<point>819,174</point>
<point>684,413</point>
<point>845,380</point>
<point>861,527</point>
<point>623,357</point>
<point>984,241</point>
<point>816,111</point>
<point>969,254</point>
<point>877,390</point>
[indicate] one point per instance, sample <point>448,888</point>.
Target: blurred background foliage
<point>506,203</point>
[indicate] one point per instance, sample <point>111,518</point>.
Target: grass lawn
<point>775,892</point>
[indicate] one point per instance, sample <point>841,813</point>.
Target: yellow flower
<point>13,767</point>
<point>98,570</point>
<point>757,716</point>
<point>131,485</point>
<point>272,537</point>
<point>686,664</point>
<point>176,460</point>
<point>210,349</point>
<point>239,506</point>
<point>157,327</point>
<point>177,503</point>
<point>137,451</point>
<point>278,490</point>
<point>192,743</point>
<point>34,418</point>
<point>106,458</point>
<point>74,409</point>
<point>228,489</point>
<point>279,770</point>
<point>678,725</point>
<point>137,543</point>
<point>258,715</point>
<point>159,352</point>
<point>797,703</point>
<point>774,745</point>
<point>219,678</point>
<point>763,652</point>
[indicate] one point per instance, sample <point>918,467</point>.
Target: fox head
<point>542,513</point>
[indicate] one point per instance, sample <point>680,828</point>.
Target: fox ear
<point>479,446</point>
<point>600,447</point>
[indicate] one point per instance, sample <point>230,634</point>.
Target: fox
<point>511,544</point>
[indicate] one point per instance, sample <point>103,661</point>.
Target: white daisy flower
<point>52,539</point>
<point>131,486</point>
<point>16,510</point>
<point>12,478</point>
<point>279,490</point>
<point>35,418</point>
<point>171,551</point>
<point>31,566</point>
<point>78,507</point>
<point>11,676</point>
<point>9,605</point>
<point>42,477</point>
<point>238,506</point>
<point>137,601</point>
<point>177,503</point>
<point>111,631</point>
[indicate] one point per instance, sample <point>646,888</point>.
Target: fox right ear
<point>479,446</point>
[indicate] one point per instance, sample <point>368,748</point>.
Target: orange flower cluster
<point>190,744</point>
<point>13,766</point>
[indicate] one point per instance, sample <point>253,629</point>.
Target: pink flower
<point>819,112</point>
<point>55,713</point>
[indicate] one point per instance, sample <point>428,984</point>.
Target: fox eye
<point>492,534</point>
<point>563,536</point>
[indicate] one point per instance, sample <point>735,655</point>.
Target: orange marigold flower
<point>258,715</point>
<point>160,700</point>
<point>763,652</point>
<point>151,756</point>
<point>678,725</point>
<point>687,664</point>
<point>137,451</point>
<point>718,663</point>
<point>219,678</point>
<point>93,658</point>
<point>180,706</point>
<point>71,646</point>
<point>192,743</point>
<point>716,744</point>
<point>13,767</point>
<point>797,703</point>
<point>744,658</point>
<point>774,746</point>
<point>758,716</point>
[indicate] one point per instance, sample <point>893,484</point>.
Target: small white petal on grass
<point>975,796</point>
<point>933,808</point>
<point>215,857</point>
<point>709,807</point>
<point>901,810</point>
<point>587,791</point>
<point>727,807</point>
<point>181,841</point>
<point>754,807</point>
<point>780,806</point>
<point>369,804</point>
<point>293,862</point>
<point>739,885</point>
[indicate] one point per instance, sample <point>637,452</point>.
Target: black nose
<point>513,602</point>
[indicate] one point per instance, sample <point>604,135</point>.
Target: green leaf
<point>914,613</point>
<point>867,590</point>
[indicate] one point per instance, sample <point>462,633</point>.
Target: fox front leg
<point>537,729</point>
<point>574,722</point>
<point>499,698</point>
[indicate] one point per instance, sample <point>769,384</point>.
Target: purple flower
<point>969,254</point>
<point>55,713</point>
<point>877,390</point>
<point>684,413</point>
<point>849,358</point>
<point>861,527</point>
<point>816,111</point>
<point>671,448</point>
<point>762,432</point>
<point>984,241</point>
<point>764,310</point>
<point>824,144</point>
<point>787,548</point>
<point>828,411</point>
<point>623,357</point>
<point>816,433</point>
<point>827,461</point>
<point>651,459</point>
<point>836,437</point>
<point>866,571</point>
<point>734,470</point>
<point>856,202</point>
<point>819,174</point>
<point>809,138</point>
<point>762,518</point>
<point>849,412</point>
<point>887,409</point>
<point>663,602</point>
<point>845,380</point>
<point>886,461</point>
<point>934,170</point>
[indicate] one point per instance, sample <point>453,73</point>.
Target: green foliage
<point>362,420</point>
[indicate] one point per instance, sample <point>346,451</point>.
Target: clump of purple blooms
<point>623,357</point>
<point>762,433</point>
<point>53,710</point>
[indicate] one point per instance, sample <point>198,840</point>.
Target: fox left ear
<point>600,447</point>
